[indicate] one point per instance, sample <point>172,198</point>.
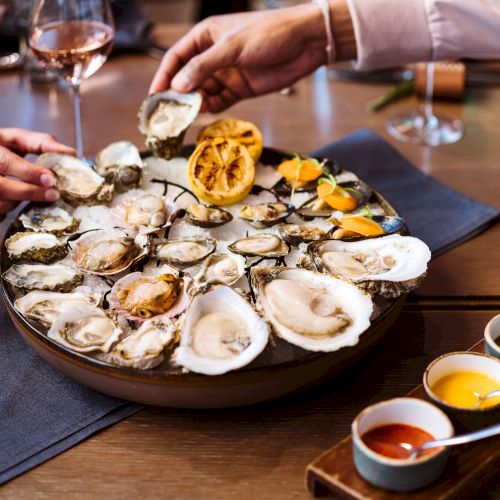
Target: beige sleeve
<point>394,32</point>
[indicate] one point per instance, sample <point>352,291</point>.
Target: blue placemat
<point>434,213</point>
<point>43,412</point>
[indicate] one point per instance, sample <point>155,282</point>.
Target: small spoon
<point>494,430</point>
<point>480,398</point>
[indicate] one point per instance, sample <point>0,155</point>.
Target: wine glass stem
<point>75,87</point>
<point>430,119</point>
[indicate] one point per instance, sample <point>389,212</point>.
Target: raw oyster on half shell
<point>107,252</point>
<point>164,118</point>
<point>221,268</point>
<point>295,234</point>
<point>221,332</point>
<point>144,348</point>
<point>85,328</point>
<point>203,216</point>
<point>260,245</point>
<point>53,277</point>
<point>389,265</point>
<point>139,296</point>
<point>146,212</point>
<point>78,183</point>
<point>53,220</point>
<point>120,163</point>
<point>184,252</point>
<point>317,312</point>
<point>35,246</point>
<point>266,214</point>
<point>47,306</point>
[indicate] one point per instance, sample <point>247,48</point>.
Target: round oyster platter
<point>136,287</point>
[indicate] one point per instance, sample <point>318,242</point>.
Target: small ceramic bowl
<point>464,419</point>
<point>492,337</point>
<point>400,474</point>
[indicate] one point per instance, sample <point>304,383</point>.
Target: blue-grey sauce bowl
<point>492,337</point>
<point>400,474</point>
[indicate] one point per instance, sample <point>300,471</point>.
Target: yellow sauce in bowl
<point>458,389</point>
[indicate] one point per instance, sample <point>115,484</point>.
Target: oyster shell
<point>260,245</point>
<point>389,265</point>
<point>221,332</point>
<point>389,224</point>
<point>54,277</point>
<point>37,247</point>
<point>140,297</point>
<point>78,183</point>
<point>85,328</point>
<point>203,216</point>
<point>266,214</point>
<point>185,252</point>
<point>146,213</point>
<point>53,220</point>
<point>164,118</point>
<point>295,234</point>
<point>107,252</point>
<point>221,268</point>
<point>47,306</point>
<point>144,348</point>
<point>317,312</point>
<point>120,163</point>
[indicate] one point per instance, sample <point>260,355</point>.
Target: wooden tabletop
<point>262,452</point>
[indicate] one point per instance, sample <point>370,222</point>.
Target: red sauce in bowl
<point>385,440</point>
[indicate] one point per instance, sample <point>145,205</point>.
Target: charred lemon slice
<point>221,171</point>
<point>244,132</point>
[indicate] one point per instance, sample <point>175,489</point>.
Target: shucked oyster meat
<point>144,348</point>
<point>164,118</point>
<point>54,277</point>
<point>221,268</point>
<point>266,214</point>
<point>184,252</point>
<point>36,247</point>
<point>260,245</point>
<point>47,306</point>
<point>53,220</point>
<point>85,329</point>
<point>139,296</point>
<point>314,311</point>
<point>120,164</point>
<point>221,332</point>
<point>203,216</point>
<point>108,252</point>
<point>77,182</point>
<point>390,265</point>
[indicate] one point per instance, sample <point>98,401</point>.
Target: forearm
<point>394,32</point>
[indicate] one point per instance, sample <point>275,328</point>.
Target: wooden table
<point>261,452</point>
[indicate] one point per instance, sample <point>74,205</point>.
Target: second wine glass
<point>73,37</point>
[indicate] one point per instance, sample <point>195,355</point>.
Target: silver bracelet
<point>330,44</point>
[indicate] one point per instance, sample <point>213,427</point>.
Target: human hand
<point>19,179</point>
<point>233,57</point>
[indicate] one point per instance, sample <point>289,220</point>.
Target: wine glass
<point>73,37</point>
<point>425,127</point>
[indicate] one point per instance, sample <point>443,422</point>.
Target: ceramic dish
<point>464,419</point>
<point>492,337</point>
<point>400,474</point>
<point>281,368</point>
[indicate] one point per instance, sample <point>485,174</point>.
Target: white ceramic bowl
<point>400,474</point>
<point>464,418</point>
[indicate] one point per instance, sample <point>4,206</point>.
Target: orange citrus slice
<point>221,171</point>
<point>246,133</point>
<point>298,171</point>
<point>359,225</point>
<point>337,197</point>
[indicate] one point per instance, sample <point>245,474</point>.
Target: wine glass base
<point>413,127</point>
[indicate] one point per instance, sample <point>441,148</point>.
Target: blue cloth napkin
<point>43,412</point>
<point>434,213</point>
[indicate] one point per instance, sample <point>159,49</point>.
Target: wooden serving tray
<point>469,468</point>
